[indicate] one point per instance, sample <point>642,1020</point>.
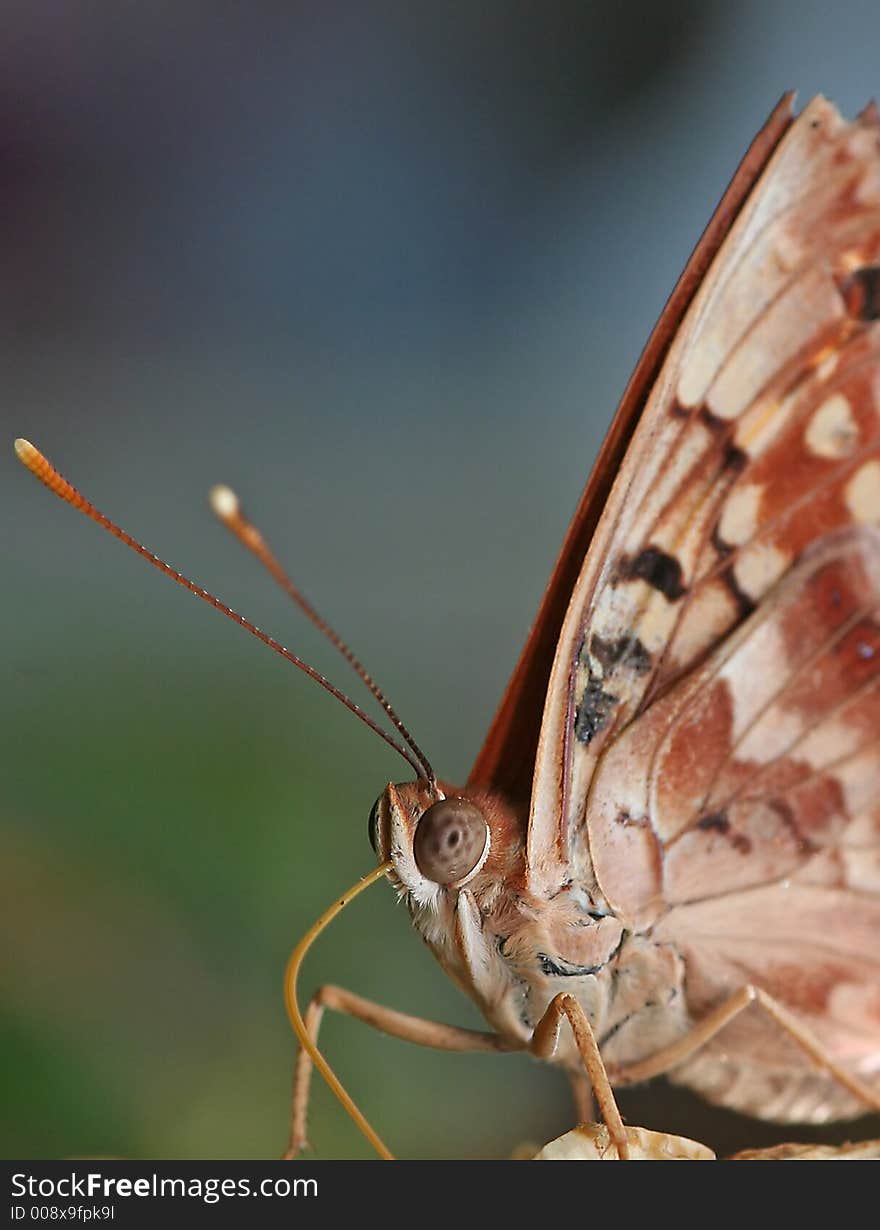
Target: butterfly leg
<point>387,1020</point>
<point>671,1056</point>
<point>545,1042</point>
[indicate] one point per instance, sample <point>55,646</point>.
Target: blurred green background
<point>385,268</point>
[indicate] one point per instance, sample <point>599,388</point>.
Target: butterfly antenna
<point>227,507</point>
<point>43,469</point>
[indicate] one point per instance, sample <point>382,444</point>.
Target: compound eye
<point>450,840</point>
<point>373,827</point>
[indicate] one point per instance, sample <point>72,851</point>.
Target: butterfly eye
<point>450,840</point>
<point>373,827</point>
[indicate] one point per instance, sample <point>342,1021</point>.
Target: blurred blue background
<point>385,268</point>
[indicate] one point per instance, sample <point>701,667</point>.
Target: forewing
<point>761,436</point>
<point>506,761</point>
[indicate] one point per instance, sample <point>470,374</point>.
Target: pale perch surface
<point>590,1142</point>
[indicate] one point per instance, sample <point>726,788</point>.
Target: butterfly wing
<point>738,460</point>
<point>691,760</point>
<point>738,820</point>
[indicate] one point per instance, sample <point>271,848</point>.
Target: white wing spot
<point>739,516</point>
<point>862,493</point>
<point>758,567</point>
<point>832,430</point>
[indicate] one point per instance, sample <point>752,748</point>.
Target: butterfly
<point>671,836</point>
<point>666,859</point>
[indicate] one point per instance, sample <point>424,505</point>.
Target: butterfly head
<point>438,838</point>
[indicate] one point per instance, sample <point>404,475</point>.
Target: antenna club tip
<point>224,502</point>
<point>28,455</point>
